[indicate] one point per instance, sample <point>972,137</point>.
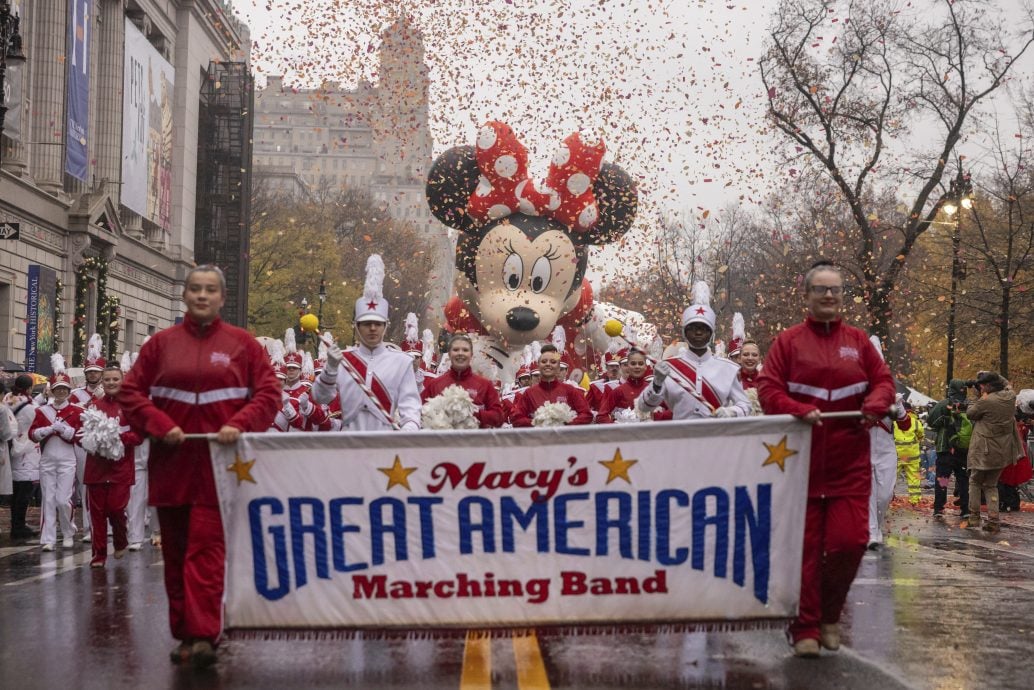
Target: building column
<point>111,37</point>
<point>48,93</point>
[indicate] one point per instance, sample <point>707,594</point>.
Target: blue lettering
<point>486,526</point>
<point>396,528</point>
<point>720,520</point>
<point>424,503</point>
<point>644,525</point>
<point>664,499</point>
<point>258,551</point>
<point>317,528</point>
<point>760,524</point>
<point>338,529</point>
<point>510,512</point>
<point>622,523</point>
<point>562,525</point>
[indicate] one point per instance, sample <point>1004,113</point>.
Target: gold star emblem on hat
<point>617,467</point>
<point>242,468</point>
<point>397,474</point>
<point>777,454</point>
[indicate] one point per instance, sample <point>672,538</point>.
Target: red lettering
<point>572,583</point>
<point>369,587</point>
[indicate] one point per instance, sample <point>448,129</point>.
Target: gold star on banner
<point>618,467</point>
<point>397,474</point>
<point>242,468</point>
<point>777,454</point>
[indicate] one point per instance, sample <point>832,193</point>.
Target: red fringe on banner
<point>631,628</point>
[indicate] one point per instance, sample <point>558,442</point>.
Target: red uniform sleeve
<point>607,403</point>
<point>39,423</point>
<point>259,412</point>
<point>491,415</point>
<point>773,392</point>
<point>522,411</point>
<point>583,415</point>
<point>135,400</point>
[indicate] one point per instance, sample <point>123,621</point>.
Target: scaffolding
<point>223,221</point>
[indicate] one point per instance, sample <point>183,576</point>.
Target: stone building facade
<point>374,138</point>
<point>80,225</point>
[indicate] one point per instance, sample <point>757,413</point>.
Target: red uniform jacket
<point>623,397</point>
<point>199,379</point>
<point>749,379</point>
<point>533,397</point>
<point>829,367</point>
<point>46,415</point>
<point>490,410</point>
<point>598,391</point>
<point>102,470</point>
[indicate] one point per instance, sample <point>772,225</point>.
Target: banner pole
<point>199,437</point>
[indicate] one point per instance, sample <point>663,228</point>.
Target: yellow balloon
<point>613,327</point>
<point>309,323</point>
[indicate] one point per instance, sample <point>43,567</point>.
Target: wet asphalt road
<point>937,608</point>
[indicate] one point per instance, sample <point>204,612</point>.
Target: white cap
<point>700,311</point>
<point>372,306</point>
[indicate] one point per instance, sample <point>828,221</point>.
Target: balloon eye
<point>513,271</point>
<point>541,272</point>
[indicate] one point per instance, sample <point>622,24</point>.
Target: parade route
<point>936,608</point>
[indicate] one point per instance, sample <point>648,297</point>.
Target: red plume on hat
<point>94,359</point>
<point>59,378</point>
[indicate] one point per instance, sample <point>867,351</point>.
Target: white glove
<point>723,412</point>
<point>304,404</point>
<point>62,429</point>
<point>660,372</point>
<point>334,357</point>
<point>288,410</point>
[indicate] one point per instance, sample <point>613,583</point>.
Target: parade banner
<point>40,317</point>
<point>80,12</point>
<point>147,134</point>
<point>696,523</point>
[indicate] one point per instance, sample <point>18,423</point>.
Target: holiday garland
<point>59,290</point>
<point>83,278</point>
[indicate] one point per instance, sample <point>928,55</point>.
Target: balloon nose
<point>522,319</point>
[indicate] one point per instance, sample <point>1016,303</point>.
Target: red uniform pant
<point>195,563</point>
<point>107,504</point>
<point>836,532</point>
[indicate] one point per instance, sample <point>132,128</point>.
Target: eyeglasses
<point>821,290</point>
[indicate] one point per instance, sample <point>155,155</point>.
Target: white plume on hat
<point>412,328</point>
<point>428,348</point>
<point>276,352</point>
<point>720,349</point>
<point>127,362</point>
<point>702,293</point>
<point>290,344</point>
<point>536,350</point>
<point>372,306</point>
<point>528,356</point>
<point>57,363</point>
<point>700,310</point>
<point>559,338</point>
<point>739,326</point>
<point>94,346</point>
<point>321,349</point>
<point>1025,401</point>
<point>308,367</point>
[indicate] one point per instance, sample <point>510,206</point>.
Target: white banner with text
<point>683,522</point>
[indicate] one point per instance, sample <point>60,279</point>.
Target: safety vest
<point>907,442</point>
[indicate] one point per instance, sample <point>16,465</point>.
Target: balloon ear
<point>451,181</point>
<point>616,199</point>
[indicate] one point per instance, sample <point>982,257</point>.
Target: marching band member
<point>110,476</point>
<point>550,389</point>
<point>82,396</point>
<point>624,395</point>
<point>294,385</point>
<point>482,391</point>
<point>54,429</point>
<point>201,376</point>
<point>696,383</point>
<point>750,364</point>
<point>375,384</point>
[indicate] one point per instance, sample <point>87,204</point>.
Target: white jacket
<point>358,412</point>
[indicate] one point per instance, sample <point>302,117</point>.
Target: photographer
<point>948,419</point>
<point>995,446</point>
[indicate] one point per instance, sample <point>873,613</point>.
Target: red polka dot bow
<point>505,188</point>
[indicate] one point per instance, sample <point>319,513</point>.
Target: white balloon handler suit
<point>883,454</point>
<point>377,387</point>
<point>696,386</point>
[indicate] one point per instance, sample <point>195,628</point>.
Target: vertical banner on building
<point>78,65</point>
<point>12,95</point>
<point>40,318</point>
<point>147,130</point>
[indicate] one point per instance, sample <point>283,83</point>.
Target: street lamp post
<point>10,53</point>
<point>959,197</point>
<point>322,295</point>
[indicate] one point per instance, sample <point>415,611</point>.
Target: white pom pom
<point>623,415</point>
<point>99,434</point>
<point>755,403</point>
<point>452,409</point>
<point>553,414</point>
<point>701,293</point>
<point>374,287</point>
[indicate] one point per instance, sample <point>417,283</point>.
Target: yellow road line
<point>531,671</point>
<point>477,663</point>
